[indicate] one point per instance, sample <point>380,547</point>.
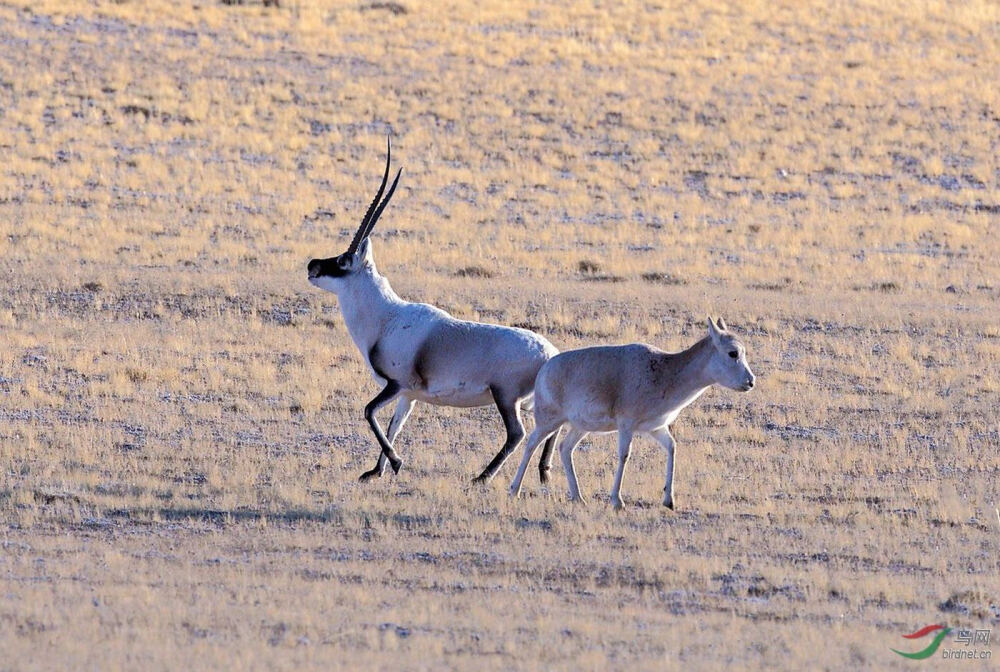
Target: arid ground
<point>181,424</point>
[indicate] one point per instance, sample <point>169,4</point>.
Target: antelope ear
<point>713,330</point>
<point>722,325</point>
<point>365,250</point>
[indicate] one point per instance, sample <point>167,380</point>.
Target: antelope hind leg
<point>510,412</point>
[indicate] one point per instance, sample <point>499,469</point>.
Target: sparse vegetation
<point>474,272</point>
<point>181,431</point>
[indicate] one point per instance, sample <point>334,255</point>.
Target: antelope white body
<point>436,358</point>
<point>629,389</point>
<point>421,353</point>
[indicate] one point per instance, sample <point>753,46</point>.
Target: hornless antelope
<point>629,389</point>
<point>421,353</point>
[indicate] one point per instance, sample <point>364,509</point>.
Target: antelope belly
<point>463,396</point>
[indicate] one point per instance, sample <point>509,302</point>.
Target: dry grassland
<point>181,412</point>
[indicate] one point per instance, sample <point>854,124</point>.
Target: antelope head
<point>728,366</point>
<point>329,273</point>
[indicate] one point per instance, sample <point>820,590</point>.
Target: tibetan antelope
<point>420,353</point>
<point>629,389</point>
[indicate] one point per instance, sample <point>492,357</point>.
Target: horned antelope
<point>629,389</point>
<point>420,353</point>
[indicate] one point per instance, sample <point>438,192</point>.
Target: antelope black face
<point>334,267</point>
<point>324,272</point>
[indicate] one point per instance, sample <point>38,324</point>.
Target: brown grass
<point>182,425</point>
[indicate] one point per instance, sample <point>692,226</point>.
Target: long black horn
<point>364,229</point>
<point>378,213</point>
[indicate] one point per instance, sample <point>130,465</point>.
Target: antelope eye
<point>734,354</point>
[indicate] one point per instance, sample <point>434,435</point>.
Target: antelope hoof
<point>543,476</point>
<point>395,464</point>
<point>370,474</point>
<point>483,478</point>
<point>617,503</point>
<point>669,503</point>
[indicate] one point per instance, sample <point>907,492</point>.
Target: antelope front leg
<point>665,439</point>
<point>376,471</point>
<point>387,394</point>
<point>545,461</point>
<point>403,409</point>
<point>624,444</point>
